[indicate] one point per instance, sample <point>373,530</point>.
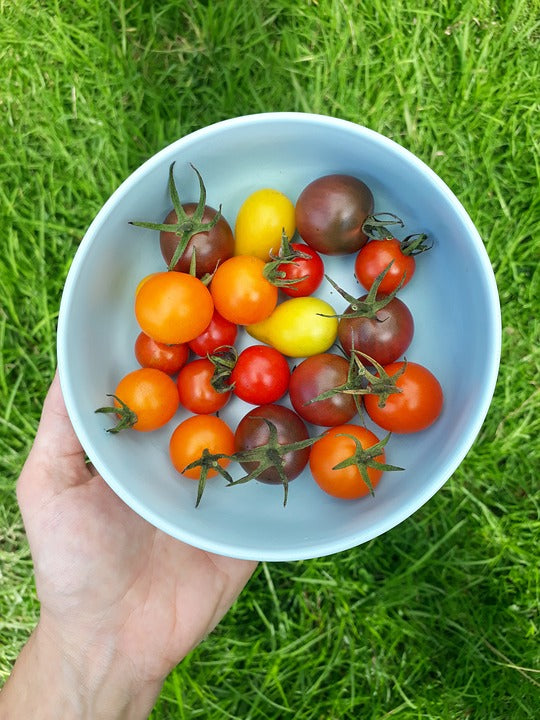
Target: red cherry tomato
<point>415,408</point>
<point>374,257</point>
<point>261,375</point>
<point>306,272</point>
<point>195,388</point>
<point>220,332</point>
<point>167,358</point>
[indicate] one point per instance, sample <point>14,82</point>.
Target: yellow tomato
<point>261,220</point>
<point>298,327</point>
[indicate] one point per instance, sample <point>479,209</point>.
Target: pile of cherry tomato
<point>333,367</point>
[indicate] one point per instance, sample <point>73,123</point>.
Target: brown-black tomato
<point>211,246</point>
<point>253,431</point>
<point>384,337</point>
<point>331,211</point>
<point>314,376</point>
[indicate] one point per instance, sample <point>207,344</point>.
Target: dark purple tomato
<point>211,246</point>
<point>330,213</point>
<point>384,337</point>
<point>316,375</point>
<point>253,431</point>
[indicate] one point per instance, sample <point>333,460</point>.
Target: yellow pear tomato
<point>261,220</point>
<point>299,327</point>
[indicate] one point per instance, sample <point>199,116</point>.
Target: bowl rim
<point>405,510</point>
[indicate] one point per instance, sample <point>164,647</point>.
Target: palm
<point>100,566</point>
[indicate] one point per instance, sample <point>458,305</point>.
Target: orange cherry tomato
<point>240,291</point>
<point>334,447</point>
<point>196,434</point>
<point>150,396</point>
<point>173,307</point>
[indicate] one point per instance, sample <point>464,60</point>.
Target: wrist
<point>73,678</point>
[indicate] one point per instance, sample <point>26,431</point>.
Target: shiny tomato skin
<point>240,291</point>
<point>384,337</point>
<point>168,358</point>
<point>252,431</point>
<point>173,307</point>
<point>193,436</point>
<point>151,394</point>
<point>263,217</point>
<point>330,212</point>
<point>415,408</point>
<point>308,273</point>
<point>261,375</point>
<point>314,376</point>
<point>211,246</point>
<point>195,388</point>
<point>374,257</point>
<point>334,447</point>
<point>220,332</point>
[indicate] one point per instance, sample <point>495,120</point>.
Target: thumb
<point>57,459</point>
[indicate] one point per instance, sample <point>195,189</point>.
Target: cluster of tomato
<point>257,281</point>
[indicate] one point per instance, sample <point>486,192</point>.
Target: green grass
<point>439,617</point>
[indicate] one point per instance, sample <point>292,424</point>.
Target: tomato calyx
<point>206,279</point>
<point>363,459</point>
<point>371,304</point>
<point>270,455</point>
<point>361,381</point>
<point>224,359</point>
<point>287,255</point>
<point>187,225</point>
<point>415,244</point>
<point>208,461</point>
<point>126,416</point>
<point>375,225</point>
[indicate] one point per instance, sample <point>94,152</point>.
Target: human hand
<point>129,598</point>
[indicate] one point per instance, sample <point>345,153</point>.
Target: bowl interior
<point>453,299</point>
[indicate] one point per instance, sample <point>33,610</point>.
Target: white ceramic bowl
<point>453,298</point>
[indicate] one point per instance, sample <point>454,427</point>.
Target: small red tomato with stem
<point>196,391</point>
<point>384,251</point>
<point>259,375</point>
<point>152,354</point>
<point>414,403</point>
<point>297,270</point>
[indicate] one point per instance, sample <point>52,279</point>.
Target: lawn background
<point>439,617</point>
